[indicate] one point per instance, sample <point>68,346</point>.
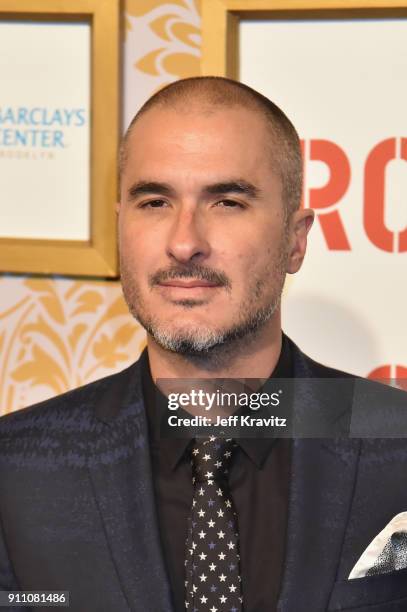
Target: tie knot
<point>211,458</point>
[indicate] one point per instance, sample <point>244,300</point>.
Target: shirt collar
<point>257,449</point>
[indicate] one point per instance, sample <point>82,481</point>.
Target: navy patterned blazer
<point>77,506</point>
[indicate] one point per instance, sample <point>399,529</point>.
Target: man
<point>95,501</point>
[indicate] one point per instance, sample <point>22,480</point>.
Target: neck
<point>254,357</point>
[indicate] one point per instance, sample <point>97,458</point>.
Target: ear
<point>117,207</point>
<point>299,226</point>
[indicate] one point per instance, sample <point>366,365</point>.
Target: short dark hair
<point>216,92</point>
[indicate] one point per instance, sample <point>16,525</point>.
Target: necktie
<point>213,582</point>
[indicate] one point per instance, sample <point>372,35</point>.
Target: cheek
<point>133,253</point>
<point>134,241</point>
<point>255,262</point>
<point>141,235</point>
<point>242,265</point>
<point>139,255</point>
<point>252,252</point>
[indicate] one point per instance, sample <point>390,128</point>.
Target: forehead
<point>234,138</point>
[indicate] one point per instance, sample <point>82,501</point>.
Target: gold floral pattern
<point>185,62</point>
<point>162,43</point>
<point>60,335</point>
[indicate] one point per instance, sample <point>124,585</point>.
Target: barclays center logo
<point>39,128</point>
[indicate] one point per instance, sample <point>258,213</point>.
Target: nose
<point>187,241</point>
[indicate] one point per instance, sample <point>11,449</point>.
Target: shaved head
<point>206,95</point>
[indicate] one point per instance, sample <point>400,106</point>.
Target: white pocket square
<point>387,552</point>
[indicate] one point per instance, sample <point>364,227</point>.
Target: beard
<point>208,342</point>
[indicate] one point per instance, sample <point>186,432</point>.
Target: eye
<point>229,204</point>
<point>153,204</point>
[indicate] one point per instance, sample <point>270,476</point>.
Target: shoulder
<point>99,420</point>
<point>74,409</point>
<point>304,366</point>
<point>369,409</point>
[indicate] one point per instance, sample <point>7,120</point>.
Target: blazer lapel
<point>323,473</point>
<point>121,475</point>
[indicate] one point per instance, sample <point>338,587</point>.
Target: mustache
<point>194,271</point>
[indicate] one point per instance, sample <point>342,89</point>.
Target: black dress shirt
<point>259,484</point>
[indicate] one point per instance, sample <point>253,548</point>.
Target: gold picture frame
<point>220,23</point>
<point>97,256</point>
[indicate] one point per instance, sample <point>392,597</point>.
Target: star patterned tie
<point>213,582</point>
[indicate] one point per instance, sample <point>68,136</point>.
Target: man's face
<point>202,228</point>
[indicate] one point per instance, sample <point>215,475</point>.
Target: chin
<point>195,328</point>
<point>188,342</point>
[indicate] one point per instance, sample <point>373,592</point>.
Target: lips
<point>188,284</point>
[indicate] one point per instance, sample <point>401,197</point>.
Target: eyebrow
<point>149,187</point>
<point>237,186</point>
